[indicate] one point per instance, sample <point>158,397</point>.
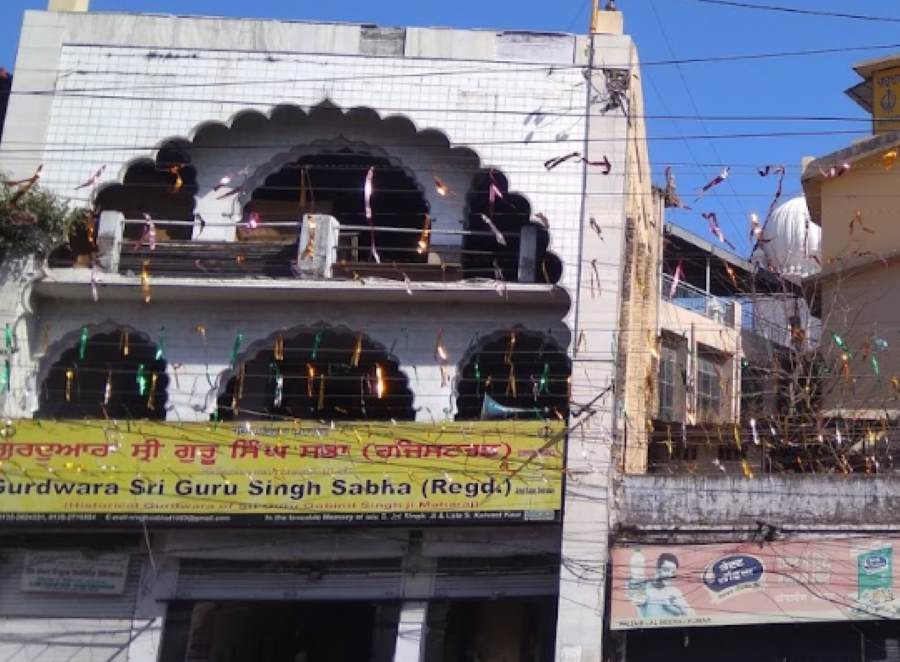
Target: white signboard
<point>74,572</point>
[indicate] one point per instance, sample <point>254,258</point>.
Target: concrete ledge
<point>654,503</point>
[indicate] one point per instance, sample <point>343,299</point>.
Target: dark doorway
<point>273,632</point>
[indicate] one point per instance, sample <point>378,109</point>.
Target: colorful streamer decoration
<point>841,343</point>
<point>236,347</point>
<point>202,331</point>
<point>425,239</point>
<point>835,170</point>
<point>367,201</point>
<point>93,179</point>
<point>145,281</point>
<point>83,343</point>
<point>253,220</point>
<point>179,181</point>
<point>5,376</point>
<point>279,385</point>
<point>755,227</point>
<point>544,380</point>
<point>357,351</point>
<point>715,181</point>
<point>24,185</point>
<point>380,388</point>
<point>141,379</point>
<point>440,352</point>
<point>550,164</point>
<point>320,404</point>
<point>8,338</point>
<point>716,229</point>
<point>107,390</point>
<point>123,342</point>
<point>876,366</point>
<point>493,228</point>
<point>95,280</point>
<point>510,348</point>
<point>500,282</point>
<point>317,342</point>
<point>889,158</point>
<point>151,399</point>
<point>309,252</point>
<point>676,278</point>
<point>278,349</point>
<point>753,430</point>
<point>440,187</point>
<point>160,354</point>
<point>310,379</point>
<point>773,170</point>
<point>70,380</point>
<point>511,386</point>
<point>745,467</point>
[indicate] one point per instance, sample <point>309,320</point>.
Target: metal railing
<point>697,301</point>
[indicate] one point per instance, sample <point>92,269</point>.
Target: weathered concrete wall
<point>798,502</point>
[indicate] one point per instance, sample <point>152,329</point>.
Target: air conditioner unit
<point>317,250</point>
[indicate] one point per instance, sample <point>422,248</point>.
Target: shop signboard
<point>74,572</point>
<point>101,472</point>
<point>754,582</point>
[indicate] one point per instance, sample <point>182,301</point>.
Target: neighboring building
<point>279,417</point>
<point>766,528</point>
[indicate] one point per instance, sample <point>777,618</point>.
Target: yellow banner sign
<point>280,473</point>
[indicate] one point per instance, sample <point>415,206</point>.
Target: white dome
<point>791,242</point>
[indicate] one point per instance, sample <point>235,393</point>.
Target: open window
<point>319,374</point>
<point>514,374</point>
<point>117,374</point>
<point>163,189</point>
<point>525,257</point>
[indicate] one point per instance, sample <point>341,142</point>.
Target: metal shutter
<point>200,579</point>
<point>16,603</point>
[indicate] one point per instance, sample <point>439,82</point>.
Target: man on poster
<point>659,598</point>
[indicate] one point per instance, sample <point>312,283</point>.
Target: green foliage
<point>36,222</point>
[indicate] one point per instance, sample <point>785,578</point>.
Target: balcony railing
<point>697,301</point>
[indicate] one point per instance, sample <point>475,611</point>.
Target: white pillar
<point>411,631</point>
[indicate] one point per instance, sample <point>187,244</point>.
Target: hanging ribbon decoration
<point>6,376</point>
<point>745,467</point>
<point>310,379</point>
<point>70,379</point>
<point>715,181</point>
<point>755,228</point>
<point>320,404</point>
<point>123,342</point>
<point>367,200</point>
<point>236,347</point>
<point>317,342</point>
<point>239,385</point>
<point>876,367</point>
<point>380,388</point>
<point>179,181</point>
<point>510,349</point>
<point>499,281</point>
<point>278,349</point>
<point>8,338</point>
<point>889,158</point>
<point>24,185</point>
<point>440,352</point>
<point>732,276</point>
<point>737,438</point>
<point>95,280</point>
<point>357,351</point>
<point>773,170</point>
<point>477,377</point>
<point>107,389</point>
<point>754,432</point>
<point>149,235</point>
<point>550,164</point>
<point>511,387</point>
<point>716,229</point>
<point>145,281</point>
<point>306,191</point>
<point>93,179</point>
<point>141,379</point>
<point>544,381</point>
<point>494,192</point>
<point>425,239</point>
<point>440,187</point>
<point>676,278</point>
<point>670,446</point>
<point>841,343</point>
<point>498,236</point>
<point>835,171</point>
<point>202,331</point>
<point>309,252</point>
<point>160,354</point>
<point>279,385</point>
<point>83,343</point>
<point>596,289</point>
<point>151,399</point>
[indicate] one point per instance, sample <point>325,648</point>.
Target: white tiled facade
<point>107,89</point>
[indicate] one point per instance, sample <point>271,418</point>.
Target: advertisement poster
<point>73,572</point>
<point>768,582</point>
<point>280,473</point>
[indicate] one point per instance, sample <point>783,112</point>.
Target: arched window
<point>514,374</point>
<point>164,189</point>
<point>482,255</point>
<point>117,375</point>
<point>320,374</point>
<point>332,183</point>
